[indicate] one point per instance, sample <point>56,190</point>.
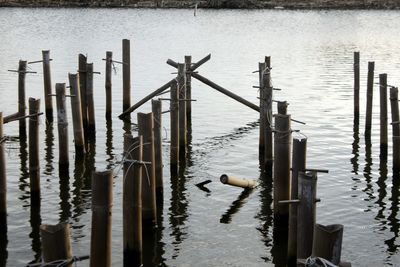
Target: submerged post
<point>90,101</point>
<point>47,85</point>
<point>132,200</point>
<point>156,109</point>
<point>79,137</point>
<point>56,243</point>
<point>370,87</point>
<point>82,87</point>
<point>21,97</point>
<point>174,107</point>
<point>188,63</point>
<point>269,143</point>
<point>3,181</point>
<point>394,104</point>
<point>182,110</point>
<point>126,74</point>
<point>34,166</point>
<point>62,124</point>
<point>383,115</point>
<point>108,84</point>
<point>102,200</point>
<point>327,242</point>
<point>356,85</point>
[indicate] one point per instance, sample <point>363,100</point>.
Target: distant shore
<point>212,4</point>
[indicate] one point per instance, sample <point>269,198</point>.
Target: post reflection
<point>393,221</point>
<point>355,147</point>
<point>65,205</point>
<point>49,144</point>
<point>382,190</point>
<point>109,146</point>
<point>367,171</point>
<point>35,222</point>
<point>235,206</point>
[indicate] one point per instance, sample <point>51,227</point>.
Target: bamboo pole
<point>3,182</point>
<point>62,124</point>
<point>56,243</point>
<point>132,200</point>
<point>239,182</point>
<point>149,208</point>
<point>269,143</point>
<point>281,174</point>
<point>298,165</point>
<point>282,107</point>
<point>383,114</point>
<point>126,74</point>
<point>327,242</point>
<point>34,165</point>
<point>21,96</point>
<point>108,85</point>
<point>370,87</point>
<point>156,109</point>
<point>79,137</point>
<point>395,127</point>
<point>90,101</point>
<point>261,144</point>
<point>188,63</point>
<point>102,200</point>
<point>356,85</point>
<point>82,87</point>
<point>47,85</point>
<point>174,107</point>
<point>182,110</point>
<point>307,189</point>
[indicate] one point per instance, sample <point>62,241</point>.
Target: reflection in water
<point>356,147</point>
<point>77,199</point>
<point>35,221</point>
<point>109,146</point>
<point>367,171</point>
<point>382,190</point>
<point>235,206</point>
<point>393,222</point>
<point>49,143</point>
<point>65,206</point>
<point>24,174</point>
<point>3,248</point>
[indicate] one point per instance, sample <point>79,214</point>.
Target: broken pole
<point>21,97</point>
<point>47,85</point>
<point>356,85</point>
<point>174,107</point>
<point>108,84</point>
<point>56,243</point>
<point>156,109</point>
<point>383,114</point>
<point>370,87</point>
<point>182,110</point>
<point>34,165</point>
<point>394,104</point>
<point>90,101</point>
<point>82,87</point>
<point>79,137</point>
<point>327,242</point>
<point>62,124</point>
<point>126,74</point>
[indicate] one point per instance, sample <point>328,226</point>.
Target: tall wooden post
<point>79,137</point>
<point>62,124</point>
<point>174,107</point>
<point>395,127</point>
<point>82,87</point>
<point>307,190</point>
<point>90,101</point>
<point>383,115</point>
<point>108,84</point>
<point>156,109</point>
<point>34,165</point>
<point>182,109</point>
<point>370,87</point>
<point>327,242</point>
<point>262,72</point>
<point>356,85</point>
<point>188,63</point>
<point>3,182</point>
<point>132,200</point>
<point>47,85</point>
<point>102,200</point>
<point>149,207</point>
<point>126,74</point>
<point>22,97</point>
<point>56,243</point>
<point>268,120</point>
<point>298,165</point>
<point>281,174</point>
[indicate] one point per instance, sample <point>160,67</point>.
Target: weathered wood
<point>282,107</point>
<point>182,110</point>
<point>34,165</point>
<point>21,96</point>
<point>370,87</point>
<point>269,143</point>
<point>307,190</point>
<point>126,74</point>
<point>82,87</point>
<point>356,85</point>
<point>149,207</point>
<point>327,242</point>
<point>56,243</point>
<point>79,137</point>
<point>3,182</point>
<point>108,84</point>
<point>174,107</point>
<point>188,63</point>
<point>47,85</point>
<point>62,124</point>
<point>90,101</point>
<point>156,109</point>
<point>261,143</point>
<point>132,200</point>
<point>239,182</point>
<point>394,104</point>
<point>383,114</point>
<point>102,200</point>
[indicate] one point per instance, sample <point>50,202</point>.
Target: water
<point>312,59</point>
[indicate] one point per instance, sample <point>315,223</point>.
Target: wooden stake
<point>47,85</point>
<point>21,96</point>
<point>79,137</point>
<point>90,101</point>
<point>394,104</point>
<point>298,164</point>
<point>62,124</point>
<point>34,165</point>
<point>182,110</point>
<point>370,87</point>
<point>132,200</point>
<point>261,145</point>
<point>327,242</point>
<point>239,182</point>
<point>188,63</point>
<point>383,115</point>
<point>174,107</point>
<point>356,85</point>
<point>102,200</point>
<point>3,182</point>
<point>156,109</point>
<point>82,87</point>
<point>56,243</point>
<point>126,74</point>
<point>269,143</point>
<point>108,85</point>
<point>307,190</point>
<point>149,208</point>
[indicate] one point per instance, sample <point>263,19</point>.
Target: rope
<point>317,262</point>
<point>60,263</point>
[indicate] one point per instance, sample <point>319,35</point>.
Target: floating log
<point>21,97</point>
<point>156,109</point>
<point>239,182</point>
<point>56,243</point>
<point>394,104</point>
<point>327,242</point>
<point>108,85</point>
<point>182,110</point>
<point>82,87</point>
<point>79,137</point>
<point>174,107</point>
<point>62,124</point>
<point>383,114</point>
<point>370,87</point>
<point>47,85</point>
<point>126,74</point>
<point>356,85</point>
<point>3,182</point>
<point>34,165</point>
<point>90,101</point>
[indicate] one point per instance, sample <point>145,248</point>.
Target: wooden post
<point>132,200</point>
<point>174,107</point>
<point>383,115</point>
<point>126,74</point>
<point>62,124</point>
<point>282,107</point>
<point>370,87</point>
<point>395,127</point>
<point>3,182</point>
<point>149,208</point>
<point>327,242</point>
<point>282,144</point>
<point>102,200</point>
<point>34,165</point>
<point>182,110</point>
<point>47,85</point>
<point>307,190</point>
<point>21,97</point>
<point>56,243</point>
<point>269,143</point>
<point>188,63</point>
<point>356,85</point>
<point>79,137</point>
<point>156,109</point>
<point>298,165</point>
<point>262,68</point>
<point>108,84</point>
<point>90,101</point>
<point>82,87</point>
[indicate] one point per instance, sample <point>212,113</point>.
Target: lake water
<point>312,60</point>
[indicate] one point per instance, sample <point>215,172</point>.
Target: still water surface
<point>312,59</point>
